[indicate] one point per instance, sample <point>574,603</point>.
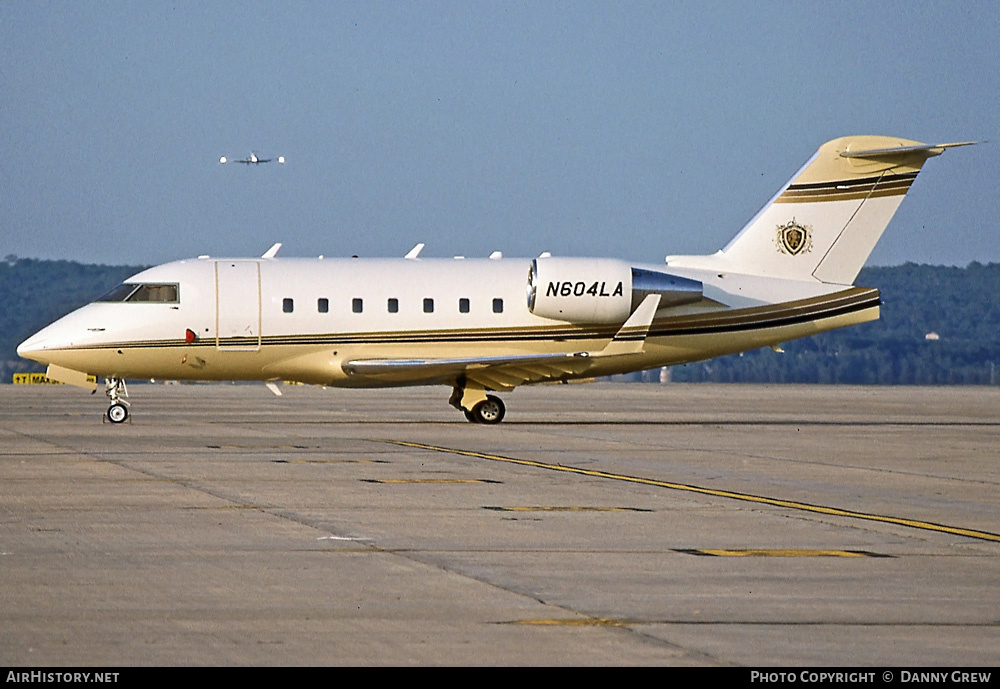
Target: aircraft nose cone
<point>30,348</point>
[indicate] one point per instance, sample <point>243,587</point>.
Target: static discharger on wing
<point>481,326</point>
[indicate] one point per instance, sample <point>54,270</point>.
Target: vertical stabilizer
<point>825,222</point>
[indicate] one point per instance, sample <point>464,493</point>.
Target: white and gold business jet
<point>489,325</point>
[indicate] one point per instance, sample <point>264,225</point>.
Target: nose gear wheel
<point>116,391</point>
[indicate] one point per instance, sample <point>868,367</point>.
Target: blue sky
<point>627,129</point>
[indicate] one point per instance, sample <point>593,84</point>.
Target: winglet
<point>273,251</point>
<point>631,337</point>
<point>415,251</point>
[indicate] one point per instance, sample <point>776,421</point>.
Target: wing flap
<point>510,376</point>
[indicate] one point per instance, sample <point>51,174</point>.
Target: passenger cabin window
<point>323,305</point>
<point>357,305</point>
<point>287,304</point>
<point>428,305</point>
<point>463,305</point>
<point>393,305</point>
<point>498,306</point>
<point>145,293</point>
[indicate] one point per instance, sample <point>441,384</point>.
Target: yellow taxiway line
<point>746,497</point>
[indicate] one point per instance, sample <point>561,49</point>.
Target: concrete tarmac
<point>601,524</point>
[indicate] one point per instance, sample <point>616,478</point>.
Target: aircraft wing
<point>507,372</point>
<point>494,373</point>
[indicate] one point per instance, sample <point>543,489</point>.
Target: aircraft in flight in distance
<point>252,159</point>
<point>480,326</point>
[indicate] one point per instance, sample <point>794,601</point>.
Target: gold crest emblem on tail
<point>794,239</point>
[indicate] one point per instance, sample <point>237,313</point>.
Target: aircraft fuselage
<point>303,319</point>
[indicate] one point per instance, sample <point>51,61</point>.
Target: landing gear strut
<point>116,391</point>
<point>478,407</point>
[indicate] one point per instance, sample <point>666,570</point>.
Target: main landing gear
<point>489,411</point>
<point>116,391</point>
<point>478,407</point>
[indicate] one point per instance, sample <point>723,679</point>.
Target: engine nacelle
<point>580,290</point>
<point>600,290</point>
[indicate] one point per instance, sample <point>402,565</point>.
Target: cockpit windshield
<point>162,294</point>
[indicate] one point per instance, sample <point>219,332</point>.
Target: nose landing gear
<point>116,391</point>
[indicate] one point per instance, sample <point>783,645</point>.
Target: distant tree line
<point>35,293</point>
<point>940,326</point>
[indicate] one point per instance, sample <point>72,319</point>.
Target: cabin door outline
<point>237,306</point>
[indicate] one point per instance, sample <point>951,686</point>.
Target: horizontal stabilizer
<point>930,149</point>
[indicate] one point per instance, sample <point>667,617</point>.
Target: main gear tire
<point>490,411</point>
